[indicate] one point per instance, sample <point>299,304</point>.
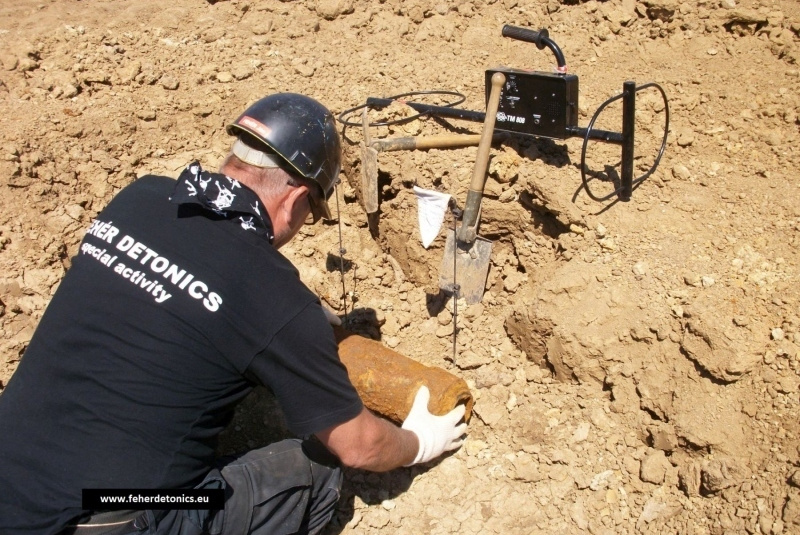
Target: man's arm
<point>371,443</point>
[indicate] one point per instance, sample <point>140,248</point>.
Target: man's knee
<point>288,486</point>
<point>327,479</point>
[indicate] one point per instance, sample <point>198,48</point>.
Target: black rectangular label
<point>143,499</point>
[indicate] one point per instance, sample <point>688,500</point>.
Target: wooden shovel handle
<point>426,142</point>
<point>467,232</point>
<point>482,161</point>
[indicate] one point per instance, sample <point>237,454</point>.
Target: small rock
<point>508,195</point>
<point>146,115</point>
<point>681,172</point>
<point>664,438</point>
<point>750,409</point>
<point>473,447</point>
<point>489,412</point>
<point>577,229</point>
<point>213,34</point>
<point>527,469</point>
<point>578,514</point>
<point>29,64</point>
<point>581,433</point>
<point>777,333</point>
<point>512,282</point>
<point>444,331</point>
<point>741,321</point>
<point>608,244</point>
<point>685,138</point>
<point>769,375</point>
<point>631,465</point>
<point>692,279</point>
<point>243,71</point>
<point>653,509</point>
<point>601,480</point>
<point>709,347</point>
<point>9,62</point>
<point>169,82</point>
<point>511,404</point>
<point>791,510</point>
<point>640,268</point>
<point>788,385</point>
<point>331,9</point>
<point>774,138</point>
<point>304,70</point>
<point>689,479</point>
<point>600,420</point>
<point>718,474</point>
<point>765,522</point>
<point>654,467</point>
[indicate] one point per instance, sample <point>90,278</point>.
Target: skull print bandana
<point>224,196</point>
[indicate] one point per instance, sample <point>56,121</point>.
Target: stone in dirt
<point>719,474</point>
<point>654,467</point>
<point>689,479</point>
<point>791,509</point>
<point>710,348</point>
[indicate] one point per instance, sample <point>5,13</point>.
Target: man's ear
<point>295,198</point>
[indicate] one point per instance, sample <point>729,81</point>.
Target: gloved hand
<point>332,318</point>
<point>436,434</point>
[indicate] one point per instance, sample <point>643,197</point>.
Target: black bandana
<point>224,196</point>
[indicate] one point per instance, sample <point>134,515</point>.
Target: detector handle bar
<point>479,117</point>
<point>540,38</point>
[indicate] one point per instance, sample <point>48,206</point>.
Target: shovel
<point>465,253</point>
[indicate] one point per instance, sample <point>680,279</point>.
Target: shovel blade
<point>471,268</point>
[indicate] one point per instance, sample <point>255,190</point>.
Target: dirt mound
<point>635,365</point>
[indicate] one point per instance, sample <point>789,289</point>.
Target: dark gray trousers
<point>291,486</point>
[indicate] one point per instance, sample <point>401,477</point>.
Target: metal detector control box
<point>536,103</point>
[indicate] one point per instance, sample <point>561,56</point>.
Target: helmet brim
<point>319,207</point>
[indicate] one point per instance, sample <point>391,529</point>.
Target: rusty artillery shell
<point>388,381</point>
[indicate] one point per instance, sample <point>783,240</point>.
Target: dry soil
<point>635,364</point>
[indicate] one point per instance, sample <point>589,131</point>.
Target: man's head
<point>296,134</point>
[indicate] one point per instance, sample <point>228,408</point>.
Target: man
<point>177,304</point>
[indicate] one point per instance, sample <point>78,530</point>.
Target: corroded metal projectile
<point>388,381</point>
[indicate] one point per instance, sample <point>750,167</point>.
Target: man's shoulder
<point>152,181</point>
<point>146,188</point>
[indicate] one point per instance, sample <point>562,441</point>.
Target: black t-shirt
<point>140,357</point>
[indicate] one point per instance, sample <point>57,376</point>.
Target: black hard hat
<point>302,132</point>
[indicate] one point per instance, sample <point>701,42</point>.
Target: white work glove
<point>436,434</point>
<point>332,318</point>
